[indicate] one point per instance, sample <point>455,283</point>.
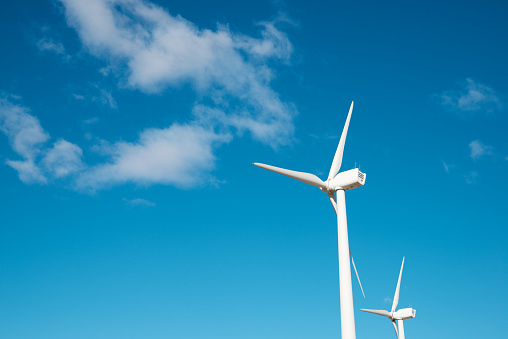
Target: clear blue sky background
<point>130,208</point>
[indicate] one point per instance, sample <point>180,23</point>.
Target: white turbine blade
<point>395,327</point>
<point>333,201</point>
<point>305,177</point>
<point>357,276</point>
<point>396,296</point>
<point>378,312</point>
<point>337,159</point>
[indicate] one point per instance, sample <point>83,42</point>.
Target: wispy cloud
<point>149,50</point>
<point>26,136</point>
<point>139,203</point>
<point>106,98</point>
<point>90,121</point>
<point>98,95</point>
<point>479,149</point>
<point>48,45</point>
<point>447,166</point>
<point>78,96</point>
<point>471,177</point>
<point>28,139</point>
<point>473,97</point>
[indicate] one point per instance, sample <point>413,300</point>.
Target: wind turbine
<point>400,315</point>
<point>334,187</point>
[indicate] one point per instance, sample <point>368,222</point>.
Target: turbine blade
<point>333,201</point>
<point>378,312</point>
<point>357,276</point>
<point>337,159</point>
<point>396,296</point>
<point>395,327</point>
<point>305,177</point>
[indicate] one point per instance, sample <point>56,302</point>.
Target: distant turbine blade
<point>395,327</point>
<point>357,276</point>
<point>396,296</point>
<point>305,177</point>
<point>378,312</point>
<point>337,159</point>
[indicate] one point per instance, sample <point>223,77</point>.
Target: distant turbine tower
<point>337,183</point>
<point>400,315</point>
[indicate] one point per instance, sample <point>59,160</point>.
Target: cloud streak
<point>48,45</point>
<point>139,202</point>
<point>473,97</point>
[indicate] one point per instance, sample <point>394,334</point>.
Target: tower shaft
<point>347,316</point>
<point>401,328</point>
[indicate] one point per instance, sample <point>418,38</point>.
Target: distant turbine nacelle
<point>346,180</point>
<point>405,313</point>
<point>396,316</point>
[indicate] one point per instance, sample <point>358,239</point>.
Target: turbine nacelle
<point>346,180</point>
<point>404,313</point>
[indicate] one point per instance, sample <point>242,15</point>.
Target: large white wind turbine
<point>335,186</point>
<point>400,315</point>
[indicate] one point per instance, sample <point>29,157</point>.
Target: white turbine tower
<point>400,315</point>
<point>337,184</point>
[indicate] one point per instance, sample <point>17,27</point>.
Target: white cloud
<point>23,130</point>
<point>28,171</point>
<point>26,136</point>
<point>158,50</point>
<point>139,203</point>
<point>473,97</point>
<point>63,159</point>
<point>28,139</point>
<point>181,155</point>
<point>479,149</point>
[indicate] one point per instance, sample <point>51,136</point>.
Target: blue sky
<point>130,208</point>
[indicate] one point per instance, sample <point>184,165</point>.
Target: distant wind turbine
<point>335,186</point>
<point>400,315</point>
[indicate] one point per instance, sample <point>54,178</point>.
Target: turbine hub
<point>329,188</point>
